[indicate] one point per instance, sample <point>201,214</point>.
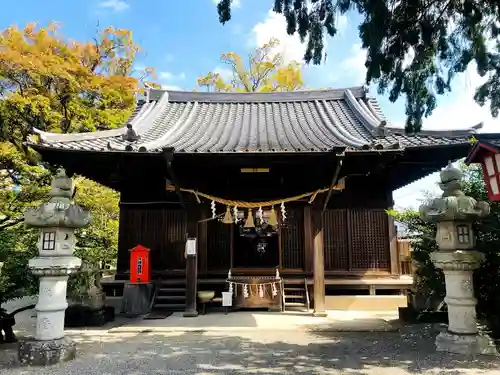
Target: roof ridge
<point>258,97</point>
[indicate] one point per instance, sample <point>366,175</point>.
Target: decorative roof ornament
<point>130,134</point>
<point>453,203</point>
<point>59,211</point>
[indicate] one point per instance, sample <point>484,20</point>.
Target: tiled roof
<point>300,121</point>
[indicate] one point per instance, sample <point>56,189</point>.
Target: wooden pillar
<point>202,243</point>
<point>308,240</point>
<point>191,263</point>
<point>393,247</point>
<point>318,263</point>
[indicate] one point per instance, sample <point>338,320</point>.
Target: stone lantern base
<point>33,352</point>
<point>465,344</point>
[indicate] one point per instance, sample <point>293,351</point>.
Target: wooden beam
<point>319,264</point>
<point>335,178</point>
<point>168,155</point>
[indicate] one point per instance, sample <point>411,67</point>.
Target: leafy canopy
<point>265,72</point>
<point>57,85</point>
<point>442,36</point>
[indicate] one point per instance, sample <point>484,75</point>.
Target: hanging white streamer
<point>274,291</point>
<point>277,273</point>
<point>235,214</point>
<point>283,211</point>
<point>231,290</point>
<point>245,290</point>
<point>260,214</point>
<point>261,291</point>
<point>214,212</point>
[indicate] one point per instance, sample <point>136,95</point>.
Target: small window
<point>49,241</point>
<point>463,234</point>
<point>139,266</point>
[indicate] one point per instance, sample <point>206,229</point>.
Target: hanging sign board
<point>191,246</point>
<point>227,299</point>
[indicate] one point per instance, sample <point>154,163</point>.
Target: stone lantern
<point>454,213</point>
<point>57,221</point>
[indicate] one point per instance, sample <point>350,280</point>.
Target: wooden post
<point>191,263</point>
<point>393,247</point>
<point>202,243</point>
<point>308,240</point>
<point>319,264</point>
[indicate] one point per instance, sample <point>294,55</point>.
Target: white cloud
<point>225,73</point>
<point>115,5</point>
<point>169,76</point>
<point>274,26</point>
<point>234,3</point>
<point>460,110</point>
<point>171,87</point>
<point>352,67</point>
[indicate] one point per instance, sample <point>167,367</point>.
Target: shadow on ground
<point>410,351</point>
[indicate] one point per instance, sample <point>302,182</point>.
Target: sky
<point>183,40</point>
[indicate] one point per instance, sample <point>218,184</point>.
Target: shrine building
<point>295,182</point>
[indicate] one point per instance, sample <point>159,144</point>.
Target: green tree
<point>444,37</point>
<point>58,85</point>
<point>264,72</point>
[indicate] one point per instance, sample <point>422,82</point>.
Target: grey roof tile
<point>303,121</point>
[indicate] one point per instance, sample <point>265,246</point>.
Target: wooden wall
<point>292,242</point>
<point>356,240</point>
<point>161,229</point>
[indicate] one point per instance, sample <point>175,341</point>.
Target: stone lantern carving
<point>454,213</point>
<point>57,221</point>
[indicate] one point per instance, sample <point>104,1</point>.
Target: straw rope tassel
<point>249,223</point>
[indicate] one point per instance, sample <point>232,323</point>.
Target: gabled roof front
<point>485,143</point>
<point>213,122</point>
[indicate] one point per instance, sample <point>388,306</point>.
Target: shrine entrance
<point>256,251</point>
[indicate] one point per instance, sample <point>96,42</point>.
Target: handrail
<point>153,297</point>
<point>307,294</point>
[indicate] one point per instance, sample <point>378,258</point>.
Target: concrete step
<point>290,289</point>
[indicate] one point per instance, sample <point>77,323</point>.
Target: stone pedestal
<point>137,299</point>
<point>32,352</point>
<point>462,336</point>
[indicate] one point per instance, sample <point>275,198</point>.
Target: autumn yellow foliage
<point>61,85</point>
<point>265,71</point>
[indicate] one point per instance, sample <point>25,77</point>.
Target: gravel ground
<point>254,352</point>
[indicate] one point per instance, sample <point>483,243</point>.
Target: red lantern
<point>140,271</point>
<point>489,158</point>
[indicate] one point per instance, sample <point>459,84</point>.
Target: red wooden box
<point>140,266</point>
